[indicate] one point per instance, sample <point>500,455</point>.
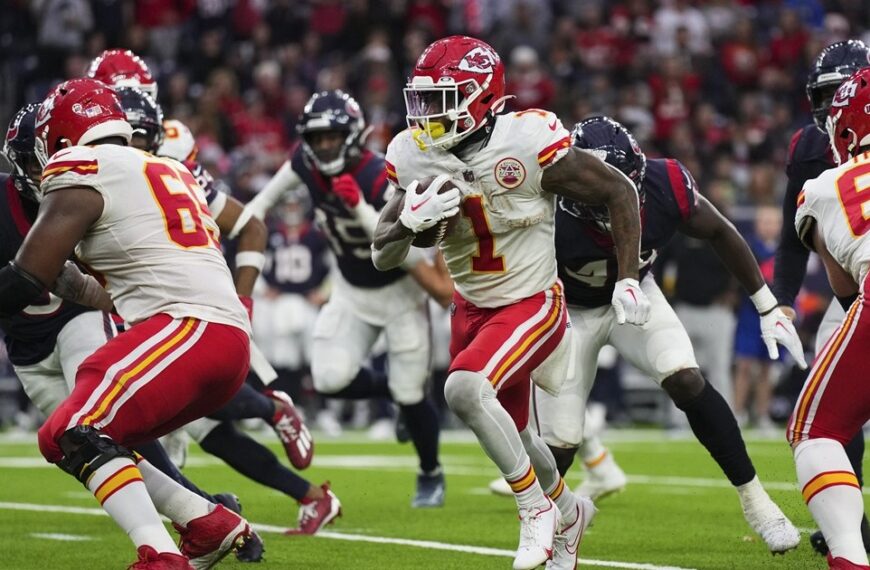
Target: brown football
<point>432,236</point>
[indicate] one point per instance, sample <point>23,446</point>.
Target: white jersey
<point>155,245</point>
<point>838,202</point>
<point>502,250</point>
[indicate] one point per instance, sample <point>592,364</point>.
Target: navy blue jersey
<point>347,239</point>
<point>296,261</point>
<point>204,179</point>
<point>809,155</point>
<point>30,335</point>
<point>586,255</point>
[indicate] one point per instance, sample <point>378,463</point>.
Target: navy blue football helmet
<point>20,150</point>
<point>144,115</point>
<point>614,144</point>
<point>332,111</point>
<point>836,62</point>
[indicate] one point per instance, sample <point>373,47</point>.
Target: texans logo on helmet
<point>478,60</point>
<point>12,132</point>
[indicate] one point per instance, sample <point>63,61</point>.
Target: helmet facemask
<point>332,165</point>
<point>437,113</point>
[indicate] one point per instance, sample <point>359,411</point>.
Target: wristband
<point>763,300</point>
<point>254,259</point>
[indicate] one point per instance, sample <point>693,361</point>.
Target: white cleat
<point>766,518</point>
<point>603,479</point>
<point>500,487</point>
<point>537,531</point>
<point>566,544</point>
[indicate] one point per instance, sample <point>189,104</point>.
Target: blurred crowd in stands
<point>717,84</point>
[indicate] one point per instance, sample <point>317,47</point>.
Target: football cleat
<point>252,549</point>
<point>207,539</point>
<point>603,479</point>
<point>150,559</point>
<point>843,564</point>
<point>566,543</point>
<point>230,501</point>
<point>537,531</point>
<point>501,487</point>
<point>430,491</point>
<point>766,518</point>
<point>818,542</point>
<point>288,424</point>
<point>314,514</point>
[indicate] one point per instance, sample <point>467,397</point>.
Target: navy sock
<point>247,403</point>
<point>422,422</point>
<point>367,384</point>
<point>253,460</point>
<point>154,453</point>
<point>716,428</point>
<point>855,451</point>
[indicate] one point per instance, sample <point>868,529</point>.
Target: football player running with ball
<point>509,323</point>
<point>661,348</point>
<point>834,404</point>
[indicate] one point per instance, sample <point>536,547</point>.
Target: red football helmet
<point>848,123</point>
<point>78,112</point>
<point>458,83</point>
<point>123,68</point>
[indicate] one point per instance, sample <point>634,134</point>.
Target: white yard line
<point>428,544</point>
<point>62,537</point>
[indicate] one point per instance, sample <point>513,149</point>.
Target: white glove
<point>422,211</point>
<point>630,303</point>
<point>776,327</point>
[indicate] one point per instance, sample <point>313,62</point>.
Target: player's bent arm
<point>285,179</point>
<point>392,240</point>
<point>435,279</point>
<point>64,217</point>
<point>842,283</point>
<point>252,243</point>
<point>707,223</point>
<point>583,177</point>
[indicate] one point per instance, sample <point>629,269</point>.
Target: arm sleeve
<point>285,179</point>
<point>790,263</point>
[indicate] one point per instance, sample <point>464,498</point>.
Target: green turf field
<point>678,512</point>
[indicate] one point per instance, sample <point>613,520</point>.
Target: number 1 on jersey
<point>486,261</point>
<point>852,187</point>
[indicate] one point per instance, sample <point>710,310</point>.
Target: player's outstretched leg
<point>833,495</point>
<point>257,462</point>
<point>472,398</point>
<point>604,477</point>
<point>714,425</point>
<point>576,512</point>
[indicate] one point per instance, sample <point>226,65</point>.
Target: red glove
<point>249,306</point>
<point>346,188</point>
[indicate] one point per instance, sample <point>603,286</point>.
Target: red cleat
<point>317,513</point>
<point>150,559</point>
<point>843,564</point>
<point>207,539</point>
<point>288,424</point>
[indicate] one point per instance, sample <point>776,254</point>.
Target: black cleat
<point>817,540</point>
<point>230,501</point>
<point>430,491</point>
<point>252,549</point>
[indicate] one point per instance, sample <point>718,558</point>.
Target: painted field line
<point>62,537</point>
<point>428,544</point>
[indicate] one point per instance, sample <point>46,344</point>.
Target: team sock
<point>526,487</point>
<point>715,427</point>
<point>551,482</point>
<point>119,488</point>
<point>253,460</point>
<point>831,491</point>
<point>422,422</point>
<point>154,453</point>
<point>593,452</point>
<point>247,403</point>
<point>171,499</point>
<point>366,384</point>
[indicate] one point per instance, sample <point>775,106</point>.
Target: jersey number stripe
<point>175,191</point>
<point>486,261</point>
<point>852,188</point>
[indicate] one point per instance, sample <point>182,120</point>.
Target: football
<point>432,236</point>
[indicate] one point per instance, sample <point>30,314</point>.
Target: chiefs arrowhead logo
<point>479,60</point>
<point>45,109</point>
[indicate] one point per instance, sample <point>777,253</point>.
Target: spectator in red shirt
<point>528,81</point>
<point>741,56</point>
<point>674,89</point>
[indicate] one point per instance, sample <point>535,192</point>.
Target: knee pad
<point>333,372</point>
<point>684,386</point>
<point>85,450</point>
<point>465,392</point>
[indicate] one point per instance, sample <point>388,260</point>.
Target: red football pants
<point>506,344</point>
<point>835,401</point>
<point>160,375</point>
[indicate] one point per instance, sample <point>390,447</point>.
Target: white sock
<point>527,490</point>
<point>548,476</point>
<point>592,451</point>
<point>833,496</point>
<point>119,488</point>
<point>752,492</point>
<point>172,500</point>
